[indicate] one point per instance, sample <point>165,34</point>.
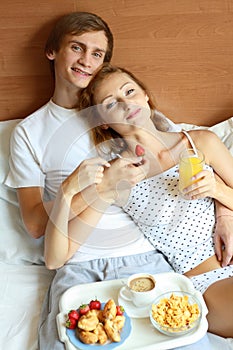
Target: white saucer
<point>132,310</point>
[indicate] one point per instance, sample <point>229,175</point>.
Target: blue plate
<point>124,335</point>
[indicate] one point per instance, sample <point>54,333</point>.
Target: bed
<point>24,278</point>
<point>188,67</point>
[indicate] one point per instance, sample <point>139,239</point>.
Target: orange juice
<point>190,164</point>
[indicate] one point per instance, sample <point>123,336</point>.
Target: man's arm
<point>223,236</point>
<point>35,212</point>
<point>63,236</point>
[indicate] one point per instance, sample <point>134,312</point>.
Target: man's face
<point>78,58</point>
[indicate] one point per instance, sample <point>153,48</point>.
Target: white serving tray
<point>143,336</point>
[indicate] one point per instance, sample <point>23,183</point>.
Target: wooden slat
<point>180,49</point>
<point>25,81</point>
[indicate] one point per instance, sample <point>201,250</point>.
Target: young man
<point>50,144</point>
<point>76,47</point>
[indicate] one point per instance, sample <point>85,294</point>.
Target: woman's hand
<point>120,177</point>
<point>205,185</point>
<point>89,172</point>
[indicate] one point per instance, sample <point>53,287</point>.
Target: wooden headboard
<point>182,49</point>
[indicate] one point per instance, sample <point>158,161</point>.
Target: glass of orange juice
<point>191,162</point>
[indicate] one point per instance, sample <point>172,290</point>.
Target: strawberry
<point>95,304</point>
<point>73,314</point>
<point>120,310</point>
<point>139,151</point>
<point>83,309</point>
<point>71,323</point>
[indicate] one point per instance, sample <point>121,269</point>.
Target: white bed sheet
<point>22,290</point>
<point>219,343</point>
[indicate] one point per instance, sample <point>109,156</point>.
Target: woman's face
<point>122,103</point>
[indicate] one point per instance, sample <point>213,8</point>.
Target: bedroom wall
<point>182,49</point>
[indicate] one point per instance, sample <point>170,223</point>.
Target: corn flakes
<point>175,312</point>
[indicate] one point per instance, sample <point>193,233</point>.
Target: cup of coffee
<point>140,289</point>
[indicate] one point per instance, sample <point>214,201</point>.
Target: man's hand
<point>89,172</point>
<point>121,176</point>
<point>223,239</point>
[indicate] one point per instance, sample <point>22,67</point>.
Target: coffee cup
<point>140,289</point>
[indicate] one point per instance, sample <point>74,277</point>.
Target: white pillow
<point>224,130</point>
<point>16,246</point>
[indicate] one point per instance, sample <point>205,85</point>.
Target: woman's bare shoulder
<point>203,135</point>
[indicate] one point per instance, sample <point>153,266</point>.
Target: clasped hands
<point>112,179</point>
<point>121,176</point>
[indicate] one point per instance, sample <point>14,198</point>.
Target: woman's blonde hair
<point>87,99</point>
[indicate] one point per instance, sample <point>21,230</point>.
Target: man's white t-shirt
<point>45,148</point>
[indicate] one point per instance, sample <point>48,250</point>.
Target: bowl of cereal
<point>176,313</point>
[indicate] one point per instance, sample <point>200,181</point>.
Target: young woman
<point>181,228</point>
